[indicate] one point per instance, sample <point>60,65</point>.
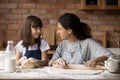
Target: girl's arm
<point>44,55</point>
<point>18,56</point>
<point>44,58</point>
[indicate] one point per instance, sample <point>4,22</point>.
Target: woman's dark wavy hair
<point>31,21</point>
<point>80,29</point>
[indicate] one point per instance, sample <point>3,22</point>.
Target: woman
<point>77,46</point>
<point>31,45</point>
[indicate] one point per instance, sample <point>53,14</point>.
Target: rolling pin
<point>79,66</point>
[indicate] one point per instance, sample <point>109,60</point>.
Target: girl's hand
<point>90,63</point>
<point>22,59</point>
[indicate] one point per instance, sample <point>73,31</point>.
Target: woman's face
<point>35,32</point>
<point>63,33</point>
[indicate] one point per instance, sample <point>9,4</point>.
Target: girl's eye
<point>37,28</point>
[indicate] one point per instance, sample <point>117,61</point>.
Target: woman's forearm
<point>100,59</point>
<point>95,61</point>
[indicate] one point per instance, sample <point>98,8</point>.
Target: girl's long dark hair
<point>31,21</point>
<point>80,29</point>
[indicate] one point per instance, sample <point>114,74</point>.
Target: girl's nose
<point>57,31</point>
<point>38,30</point>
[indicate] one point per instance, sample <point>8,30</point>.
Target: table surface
<point>50,73</point>
<point>55,73</point>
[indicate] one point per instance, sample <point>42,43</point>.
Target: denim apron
<point>34,53</point>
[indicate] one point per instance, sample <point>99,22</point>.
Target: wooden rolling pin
<point>79,66</point>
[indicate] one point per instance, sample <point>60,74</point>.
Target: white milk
<point>2,57</point>
<point>9,65</point>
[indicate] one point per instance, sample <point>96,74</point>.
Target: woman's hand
<point>90,63</point>
<point>95,61</point>
<point>60,63</point>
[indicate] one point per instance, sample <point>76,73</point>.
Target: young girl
<point>77,46</point>
<point>31,44</point>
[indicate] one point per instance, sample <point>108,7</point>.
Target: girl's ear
<point>69,31</point>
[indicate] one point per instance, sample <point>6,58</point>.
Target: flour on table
<point>73,71</point>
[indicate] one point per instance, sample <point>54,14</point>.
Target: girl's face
<point>35,32</point>
<point>63,33</point>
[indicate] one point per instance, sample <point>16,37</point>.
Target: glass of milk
<point>10,64</point>
<point>10,57</point>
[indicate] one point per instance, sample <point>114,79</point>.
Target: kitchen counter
<point>55,73</point>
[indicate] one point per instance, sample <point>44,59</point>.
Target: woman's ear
<point>69,31</point>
